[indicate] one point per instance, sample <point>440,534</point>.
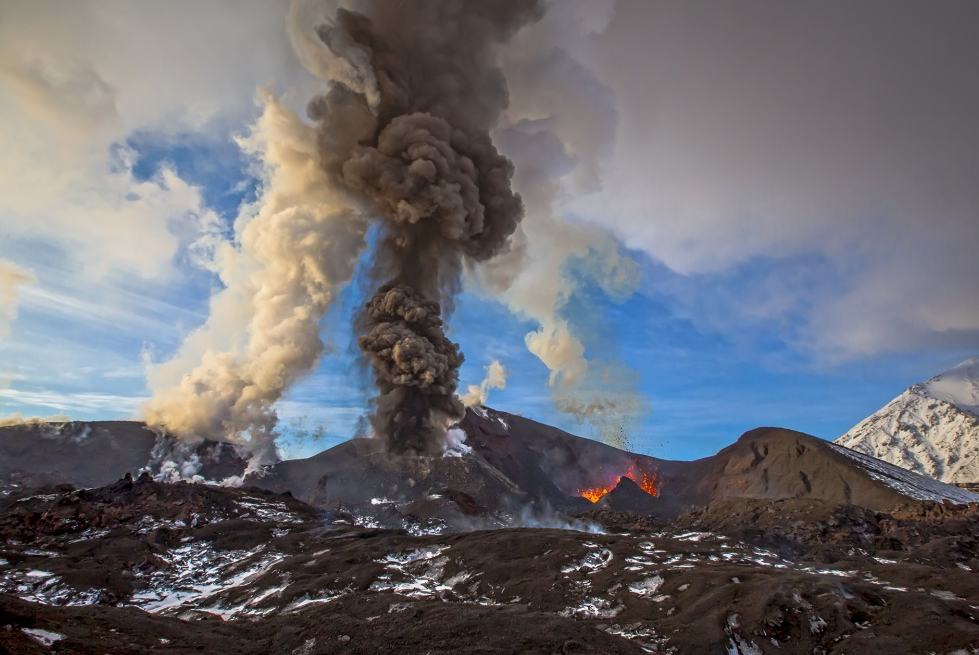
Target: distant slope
<point>517,461</point>
<point>508,467</point>
<point>96,453</point>
<point>931,429</point>
<point>774,463</point>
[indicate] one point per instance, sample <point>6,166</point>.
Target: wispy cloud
<point>118,308</point>
<point>91,403</point>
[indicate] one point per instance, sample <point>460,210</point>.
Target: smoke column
<point>402,140</point>
<point>560,130</point>
<point>496,376</point>
<point>294,248</point>
<point>432,177</point>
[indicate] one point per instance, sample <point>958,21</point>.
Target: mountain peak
<point>932,428</point>
<point>957,386</point>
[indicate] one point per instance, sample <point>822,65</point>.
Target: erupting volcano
<point>648,481</point>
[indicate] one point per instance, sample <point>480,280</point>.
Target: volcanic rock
<point>773,463</point>
<point>628,497</point>
<point>514,470</point>
<point>142,566</point>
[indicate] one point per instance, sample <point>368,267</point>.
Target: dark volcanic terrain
<point>780,543</point>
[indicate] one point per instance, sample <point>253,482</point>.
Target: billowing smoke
<point>402,141</point>
<point>560,140</point>
<point>294,249</point>
<point>417,369</point>
<point>11,277</point>
<point>478,394</point>
<point>429,172</point>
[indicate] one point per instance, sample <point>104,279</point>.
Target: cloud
<point>844,137</point>
<point>226,49</point>
<point>109,242</point>
<point>78,80</point>
<point>560,131</point>
<point>776,185</point>
<point>110,306</point>
<point>62,401</point>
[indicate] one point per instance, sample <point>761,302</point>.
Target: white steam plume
<point>558,141</point>
<point>295,247</point>
<point>496,376</point>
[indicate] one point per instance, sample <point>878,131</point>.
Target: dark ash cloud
<point>424,166</point>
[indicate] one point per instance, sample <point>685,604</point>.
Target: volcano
<point>779,543</point>
<point>509,465</point>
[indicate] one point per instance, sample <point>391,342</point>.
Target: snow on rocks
<point>738,644</point>
<point>932,428</point>
<point>45,587</point>
<point>196,572</point>
<point>648,587</point>
<point>44,637</point>
<point>595,560</point>
<point>909,484</point>
<point>417,574</point>
<point>594,608</point>
<point>265,510</point>
<point>649,583</point>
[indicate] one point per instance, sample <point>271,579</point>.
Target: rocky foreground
<point>143,566</point>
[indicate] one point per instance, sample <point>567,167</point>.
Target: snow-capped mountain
<point>932,428</point>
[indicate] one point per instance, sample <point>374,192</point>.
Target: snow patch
<point>593,608</point>
<point>912,485</point>
<point>595,560</point>
<point>43,637</point>
<point>647,588</point>
<point>958,386</point>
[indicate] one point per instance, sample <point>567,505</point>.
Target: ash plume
<point>429,174</point>
<point>417,369</point>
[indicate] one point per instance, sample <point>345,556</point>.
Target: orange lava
<point>647,481</point>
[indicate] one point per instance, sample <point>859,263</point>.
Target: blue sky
<point>789,272</point>
<point>705,387</point>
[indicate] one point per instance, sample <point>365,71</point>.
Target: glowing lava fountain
<point>648,481</point>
